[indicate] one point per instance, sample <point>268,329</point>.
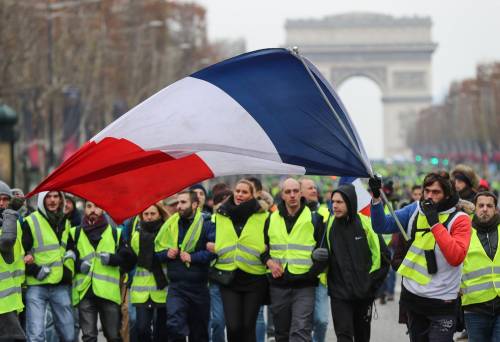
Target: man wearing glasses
<point>431,270</point>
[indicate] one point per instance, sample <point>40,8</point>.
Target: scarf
<point>147,236</point>
<point>486,227</point>
<point>239,214</point>
<point>94,230</point>
<point>146,258</point>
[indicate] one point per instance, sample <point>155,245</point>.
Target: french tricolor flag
<point>364,197</point>
<point>264,112</point>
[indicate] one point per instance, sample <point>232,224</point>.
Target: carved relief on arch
<point>376,74</point>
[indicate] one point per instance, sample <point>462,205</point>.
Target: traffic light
<point>434,161</point>
<point>418,158</point>
<point>446,162</point>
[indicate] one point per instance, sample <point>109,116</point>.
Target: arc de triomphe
<point>393,52</point>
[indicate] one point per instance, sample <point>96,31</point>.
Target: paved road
<point>384,325</point>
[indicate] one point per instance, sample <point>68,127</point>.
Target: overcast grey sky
<point>467,32</point>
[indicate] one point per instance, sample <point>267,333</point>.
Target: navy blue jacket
<point>197,271</point>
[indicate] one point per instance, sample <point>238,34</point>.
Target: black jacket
<point>301,280</point>
<point>350,256</point>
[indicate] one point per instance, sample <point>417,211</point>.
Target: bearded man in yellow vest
<point>431,269</point>
<point>481,272</point>
<point>101,256</point>
<point>10,291</point>
<point>296,256</point>
<point>181,243</point>
<point>49,268</point>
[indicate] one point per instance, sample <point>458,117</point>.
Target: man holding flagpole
<point>431,269</point>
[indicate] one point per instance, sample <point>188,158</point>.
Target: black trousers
<point>109,313</point>
<point>188,312</point>
<point>240,310</point>
<point>352,319</point>
<point>438,328</point>
<point>147,317</point>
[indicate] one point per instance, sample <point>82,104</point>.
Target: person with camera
<point>431,269</point>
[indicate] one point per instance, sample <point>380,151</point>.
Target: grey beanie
<point>5,189</point>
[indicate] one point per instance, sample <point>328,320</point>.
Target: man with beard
<point>480,274</point>
<point>49,268</point>
<point>100,253</point>
<point>431,268</point>
<point>181,243</point>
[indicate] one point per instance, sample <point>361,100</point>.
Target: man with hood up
<point>432,265</point>
<point>358,265</point>
<point>49,267</point>
<point>465,181</point>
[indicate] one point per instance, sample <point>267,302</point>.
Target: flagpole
<point>295,51</point>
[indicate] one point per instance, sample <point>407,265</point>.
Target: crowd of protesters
<point>209,266</point>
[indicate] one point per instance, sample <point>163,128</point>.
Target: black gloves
<point>429,209</point>
<point>375,184</point>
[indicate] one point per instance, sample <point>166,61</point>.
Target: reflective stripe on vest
<point>18,266</point>
<point>104,279</point>
<point>47,249</point>
<point>480,274</point>
<point>371,237</point>
<point>169,233</point>
<point>241,252</point>
<point>144,284</point>
<point>414,265</point>
<point>293,250</point>
<point>10,292</point>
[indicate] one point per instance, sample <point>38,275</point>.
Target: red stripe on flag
<point>365,211</point>
<point>122,178</point>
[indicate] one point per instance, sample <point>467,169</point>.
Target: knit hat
<point>199,186</point>
<point>5,189</point>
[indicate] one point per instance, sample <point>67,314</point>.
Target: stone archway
<point>393,52</point>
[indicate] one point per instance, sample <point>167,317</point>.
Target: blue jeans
<point>217,321</point>
<point>321,307</point>
<point>260,329</point>
<point>59,299</point>
<point>482,328</point>
<point>50,328</point>
<point>132,319</point>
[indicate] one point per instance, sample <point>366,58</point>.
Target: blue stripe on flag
<point>274,87</point>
